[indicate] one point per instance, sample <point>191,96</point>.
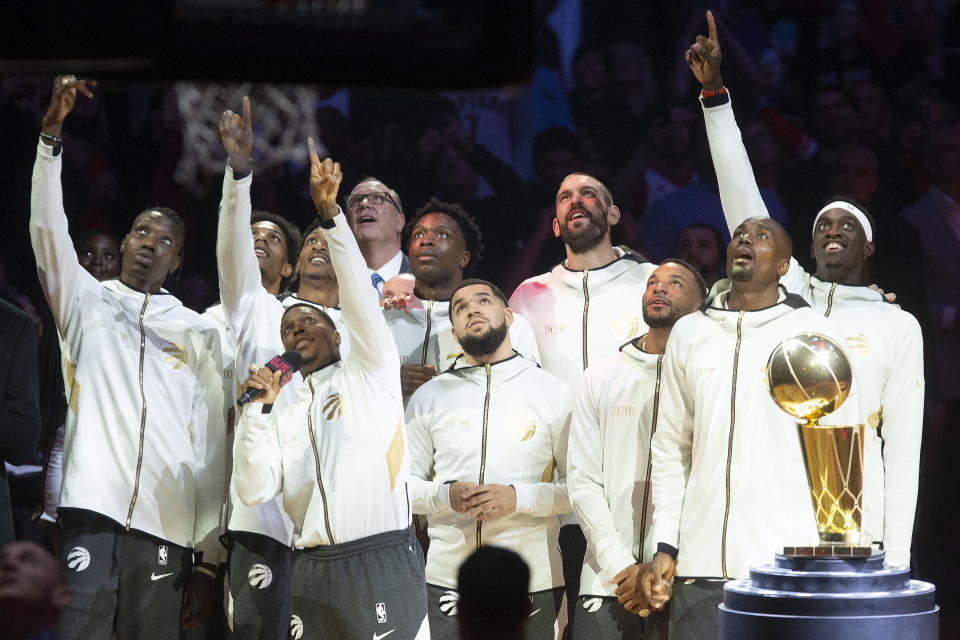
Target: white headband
<point>846,206</point>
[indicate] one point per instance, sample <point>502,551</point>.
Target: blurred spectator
<point>32,592</point>
<point>632,76</point>
<point>921,66</point>
<point>702,246</point>
<point>599,111</point>
<point>663,164</point>
<point>846,59</point>
<point>494,605</point>
<point>19,411</point>
<point>936,218</point>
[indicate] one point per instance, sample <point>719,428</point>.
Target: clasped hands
<point>483,501</point>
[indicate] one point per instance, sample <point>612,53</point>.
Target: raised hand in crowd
<point>236,133</point>
<point>62,101</point>
<point>325,179</point>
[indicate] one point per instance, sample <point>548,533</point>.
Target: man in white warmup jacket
<point>144,462</point>
<point>445,246</point>
<point>335,451</point>
<point>260,536</point>
<point>488,445</point>
<point>609,460</point>
<point>729,488</point>
<point>584,308</point>
<point>884,341</point>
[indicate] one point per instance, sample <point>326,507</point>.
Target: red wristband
<point>710,93</point>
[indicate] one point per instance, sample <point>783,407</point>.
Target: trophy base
<point>832,550</point>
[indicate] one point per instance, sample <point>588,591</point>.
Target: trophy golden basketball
<point>809,376</point>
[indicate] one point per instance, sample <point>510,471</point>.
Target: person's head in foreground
<point>32,592</point>
<point>494,604</point>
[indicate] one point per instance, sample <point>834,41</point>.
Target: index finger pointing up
<point>245,111</point>
<point>711,26</point>
<point>312,148</point>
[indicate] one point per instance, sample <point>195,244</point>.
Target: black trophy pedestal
<point>807,598</point>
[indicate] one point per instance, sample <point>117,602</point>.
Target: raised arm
<point>371,342</point>
<point>61,275</point>
<point>739,193</point>
<point>237,267</point>
<point>585,482</point>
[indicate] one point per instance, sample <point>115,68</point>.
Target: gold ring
<point>67,79</point>
<point>643,613</point>
<point>253,368</point>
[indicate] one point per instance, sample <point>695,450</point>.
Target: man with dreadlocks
<point>143,471</point>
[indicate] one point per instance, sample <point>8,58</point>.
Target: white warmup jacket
<point>608,468</point>
<point>254,316</point>
<point>884,341</point>
<point>335,449</point>
<point>729,488</point>
<point>583,316</point>
<point>425,335</point>
<point>145,438</point>
<point>505,423</point>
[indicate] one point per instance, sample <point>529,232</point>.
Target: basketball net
<point>283,117</point>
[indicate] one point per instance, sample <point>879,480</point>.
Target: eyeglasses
<point>374,197</point>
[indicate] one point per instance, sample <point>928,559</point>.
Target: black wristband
<point>669,549</point>
<point>326,224</point>
<point>714,98</point>
<point>51,138</point>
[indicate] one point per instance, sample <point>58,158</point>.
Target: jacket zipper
<point>586,310</point>
<point>646,485</point>
<point>833,288</point>
<point>733,418</point>
<point>426,336</point>
<point>483,444</point>
<point>143,413</point>
<point>316,457</point>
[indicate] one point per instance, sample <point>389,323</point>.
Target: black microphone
<point>289,363</point>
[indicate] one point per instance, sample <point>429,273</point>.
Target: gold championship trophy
<point>838,587</point>
<point>809,377</point>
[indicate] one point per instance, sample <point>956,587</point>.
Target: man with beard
<point>613,422</point>
<point>885,342</point>
<point>728,477</point>
<point>334,450</point>
<point>376,218</point>
<point>508,492</point>
<point>584,308</point>
<point>444,244</point>
<point>252,267</point>
<point>145,398</point>
<point>702,246</point>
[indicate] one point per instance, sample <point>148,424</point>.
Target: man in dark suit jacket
<point>19,412</point>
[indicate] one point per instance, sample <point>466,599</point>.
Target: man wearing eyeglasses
<point>376,217</point>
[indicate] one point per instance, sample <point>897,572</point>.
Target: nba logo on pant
<point>162,555</point>
<point>381,613</point>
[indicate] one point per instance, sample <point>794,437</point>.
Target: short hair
<point>689,267</point>
<point>392,192</point>
<point>93,233</point>
<point>494,583</point>
<point>605,193</point>
<point>173,217</point>
<point>323,314</point>
<point>709,227</point>
<point>472,235</point>
<point>290,232</point>
<point>469,282</point>
<point>858,205</point>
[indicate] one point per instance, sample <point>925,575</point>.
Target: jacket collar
<point>844,295</point>
<point>715,308</point>
<point>600,276</point>
<point>630,350</point>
